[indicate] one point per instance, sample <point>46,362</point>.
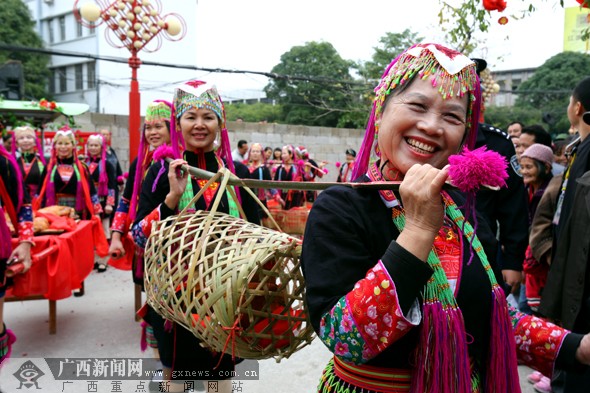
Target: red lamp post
<point>134,23</point>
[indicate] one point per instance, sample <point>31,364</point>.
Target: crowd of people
<point>419,301</point>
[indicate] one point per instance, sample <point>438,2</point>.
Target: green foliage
<point>391,45</point>
<point>549,89</point>
<point>17,28</point>
<point>501,116</point>
<point>318,89</point>
<point>254,112</point>
<point>461,22</point>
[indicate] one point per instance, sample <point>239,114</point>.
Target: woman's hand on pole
<point>420,193</point>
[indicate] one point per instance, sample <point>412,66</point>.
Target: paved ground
<point>101,325</point>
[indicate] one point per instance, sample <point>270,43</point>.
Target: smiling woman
<point>399,286</point>
<point>199,127</point>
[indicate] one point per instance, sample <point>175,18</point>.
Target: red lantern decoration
<point>503,20</point>
<point>584,3</point>
<point>496,5</point>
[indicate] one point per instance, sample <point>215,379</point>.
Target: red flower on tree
<point>496,5</point>
<point>584,3</point>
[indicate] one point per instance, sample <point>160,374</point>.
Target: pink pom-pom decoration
<point>125,175</point>
<point>120,179</point>
<point>325,171</point>
<point>338,164</point>
<point>164,151</point>
<point>472,169</point>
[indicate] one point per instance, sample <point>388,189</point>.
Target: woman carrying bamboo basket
<point>199,115</point>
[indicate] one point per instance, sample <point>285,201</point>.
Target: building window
<point>79,79</point>
<point>91,75</point>
<point>50,30</point>
<point>78,28</point>
<point>62,28</point>
<point>52,82</point>
<point>63,81</point>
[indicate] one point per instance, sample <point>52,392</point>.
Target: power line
<point>272,75</point>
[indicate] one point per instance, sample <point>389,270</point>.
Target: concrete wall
<point>323,143</point>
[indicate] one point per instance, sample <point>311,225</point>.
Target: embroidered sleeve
<point>120,216</point>
<point>142,229</point>
<point>25,224</point>
<point>367,320</point>
<point>111,197</point>
<point>96,204</point>
<point>537,341</point>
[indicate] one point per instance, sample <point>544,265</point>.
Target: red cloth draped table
<point>57,274</point>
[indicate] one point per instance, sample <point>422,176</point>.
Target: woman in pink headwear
<point>156,132</point>
<point>27,151</point>
<point>102,173</point>
<point>66,180</point>
<point>259,171</point>
<point>289,171</point>
<point>414,303</point>
<point>200,119</point>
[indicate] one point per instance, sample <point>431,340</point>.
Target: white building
<point>104,85</point>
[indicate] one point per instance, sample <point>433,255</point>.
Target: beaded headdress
<point>156,111</point>
<point>198,94</point>
<point>453,74</point>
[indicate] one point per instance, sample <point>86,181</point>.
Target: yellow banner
<point>576,20</point>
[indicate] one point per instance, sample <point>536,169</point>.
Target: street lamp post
<point>134,23</point>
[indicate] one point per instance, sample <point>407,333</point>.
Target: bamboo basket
<point>236,286</point>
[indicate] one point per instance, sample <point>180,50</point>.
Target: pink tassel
<point>5,237</point>
<point>168,326</point>
<point>9,341</point>
<point>443,364</point>
<point>472,169</point>
<point>80,196</point>
<point>143,340</point>
<point>50,192</point>
<point>502,370</point>
<point>162,152</point>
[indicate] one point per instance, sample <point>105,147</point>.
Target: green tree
<point>501,116</point>
<point>390,46</point>
<point>550,87</point>
<point>18,28</point>
<point>314,87</point>
<point>254,112</point>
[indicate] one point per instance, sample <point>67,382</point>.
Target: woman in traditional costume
<point>345,171</point>
<point>289,171</point>
<point>14,200</point>
<point>200,116</point>
<point>414,303</point>
<point>259,171</point>
<point>29,156</point>
<point>67,180</point>
<point>103,175</point>
<point>156,132</point>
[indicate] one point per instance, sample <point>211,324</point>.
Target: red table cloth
<point>56,275</point>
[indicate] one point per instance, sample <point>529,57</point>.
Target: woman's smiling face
<point>418,126</point>
<point>199,129</point>
<point>64,148</point>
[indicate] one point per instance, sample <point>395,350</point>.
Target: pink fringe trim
<point>11,340</point>
<point>442,360</point>
<point>143,340</point>
<point>502,370</point>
